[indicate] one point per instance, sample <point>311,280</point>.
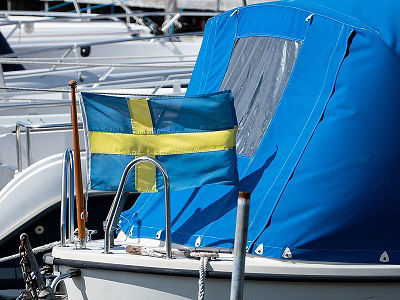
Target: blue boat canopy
<point>317,95</point>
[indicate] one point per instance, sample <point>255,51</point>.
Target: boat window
<point>257,74</point>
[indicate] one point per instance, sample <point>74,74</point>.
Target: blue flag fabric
<point>193,137</point>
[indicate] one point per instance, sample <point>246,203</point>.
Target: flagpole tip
<point>245,195</point>
<point>72,83</point>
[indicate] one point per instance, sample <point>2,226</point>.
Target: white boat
<point>113,65</point>
<point>72,35</point>
<point>316,97</point>
<point>120,274</point>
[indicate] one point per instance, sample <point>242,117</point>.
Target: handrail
<point>67,199</point>
<point>122,57</point>
<point>34,128</point>
<point>117,199</point>
<point>71,15</point>
<point>34,105</point>
<point>33,61</point>
<point>133,74</point>
<point>15,88</point>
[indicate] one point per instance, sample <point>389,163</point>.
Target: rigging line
<point>33,89</point>
<point>70,15</point>
<point>68,91</point>
<point>135,65</point>
<point>112,57</point>
<point>82,61</point>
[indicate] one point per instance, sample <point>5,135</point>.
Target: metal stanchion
<point>239,253</point>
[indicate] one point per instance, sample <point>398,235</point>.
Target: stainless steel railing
<point>112,215</point>
<point>34,105</point>
<point>67,199</point>
<point>34,128</point>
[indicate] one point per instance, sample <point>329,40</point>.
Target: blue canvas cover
<point>324,178</point>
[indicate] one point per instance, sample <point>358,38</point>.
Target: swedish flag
<point>193,137</point>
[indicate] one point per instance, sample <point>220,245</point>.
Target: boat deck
<point>259,268</point>
<point>115,275</point>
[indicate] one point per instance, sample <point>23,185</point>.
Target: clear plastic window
<point>257,75</point>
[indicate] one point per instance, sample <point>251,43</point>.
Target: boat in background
<point>35,115</point>
<point>28,33</point>
<point>144,64</point>
<point>71,35</point>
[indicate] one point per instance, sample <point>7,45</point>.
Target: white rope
<point>204,257</point>
<point>202,277</point>
<point>34,250</point>
<point>138,250</point>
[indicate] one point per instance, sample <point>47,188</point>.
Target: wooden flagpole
<point>80,210</point>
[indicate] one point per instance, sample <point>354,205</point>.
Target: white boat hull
<point>97,284</point>
<point>120,275</point>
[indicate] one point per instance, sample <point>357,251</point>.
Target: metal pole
<point>76,6</point>
<point>113,210</point>
<point>167,205</point>
<point>239,252</point>
<point>2,81</point>
<point>80,207</point>
<point>170,6</point>
<point>61,59</point>
<point>170,22</point>
<point>64,200</point>
<point>120,205</point>
<point>19,151</point>
<point>67,199</point>
<point>28,146</point>
<point>71,198</point>
<point>31,128</point>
